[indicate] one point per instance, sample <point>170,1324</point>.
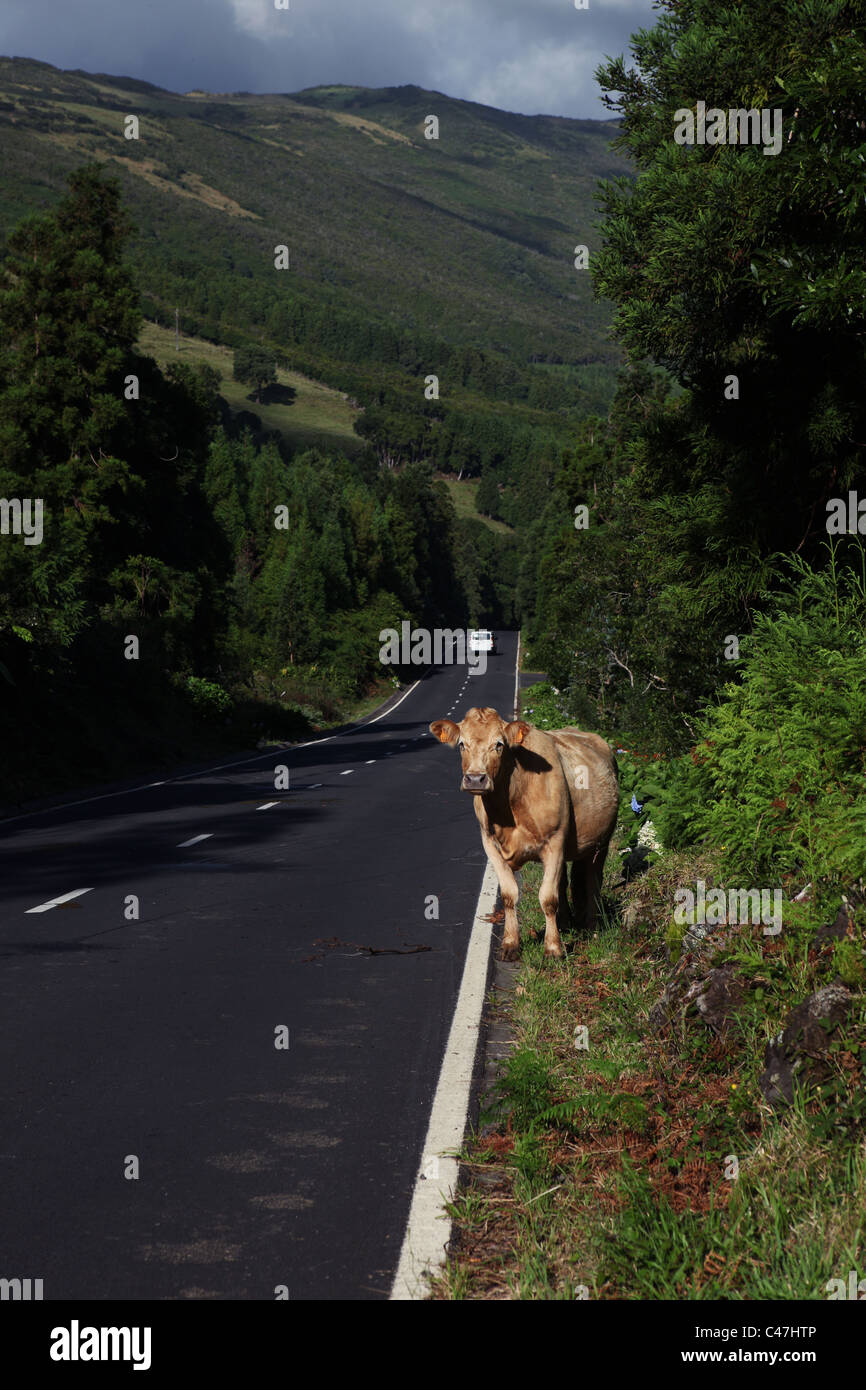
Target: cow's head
<point>483,738</point>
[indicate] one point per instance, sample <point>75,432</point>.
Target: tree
<point>68,324</point>
<point>114,448</point>
<point>726,262</point>
<point>254,366</point>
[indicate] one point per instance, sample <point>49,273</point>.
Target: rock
<point>693,980</point>
<point>696,935</point>
<point>716,993</point>
<point>717,998</point>
<point>635,862</point>
<point>850,908</point>
<point>647,838</point>
<point>804,1039</point>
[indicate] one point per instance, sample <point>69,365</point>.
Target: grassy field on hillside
<point>318,415</point>
<point>463,494</point>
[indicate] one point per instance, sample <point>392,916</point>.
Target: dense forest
<point>721,569</point>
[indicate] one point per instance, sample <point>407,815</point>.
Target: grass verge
<point>633,1161</point>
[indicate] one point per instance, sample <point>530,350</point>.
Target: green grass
<point>463,494</point>
<point>318,416</point>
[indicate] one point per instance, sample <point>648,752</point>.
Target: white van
<point>481,639</point>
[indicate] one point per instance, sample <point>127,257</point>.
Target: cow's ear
<point>516,732</point>
<point>445,730</point>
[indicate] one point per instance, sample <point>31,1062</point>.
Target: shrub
<point>778,779</point>
<point>208,698</point>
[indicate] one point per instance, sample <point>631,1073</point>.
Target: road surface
<point>148,1045</point>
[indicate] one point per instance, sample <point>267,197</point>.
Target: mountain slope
<point>464,240</point>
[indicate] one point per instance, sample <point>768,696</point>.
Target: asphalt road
<point>155,1038</point>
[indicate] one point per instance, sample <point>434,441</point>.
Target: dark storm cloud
<point>522,55</point>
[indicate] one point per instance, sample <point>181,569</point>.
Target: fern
<point>622,1109</point>
<point>778,777</point>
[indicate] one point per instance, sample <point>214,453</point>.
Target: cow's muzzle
<point>476,782</point>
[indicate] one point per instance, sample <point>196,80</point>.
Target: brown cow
<point>550,797</point>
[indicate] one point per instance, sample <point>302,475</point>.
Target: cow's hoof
<point>555,952</point>
<point>510,952</point>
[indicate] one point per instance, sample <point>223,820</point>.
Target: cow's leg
<point>564,912</point>
<point>548,896</point>
<point>594,874</point>
<point>508,891</point>
<point>579,892</point>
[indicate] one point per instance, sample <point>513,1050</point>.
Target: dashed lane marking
<point>55,902</point>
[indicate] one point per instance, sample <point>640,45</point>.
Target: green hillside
<point>398,241</point>
<point>306,413</point>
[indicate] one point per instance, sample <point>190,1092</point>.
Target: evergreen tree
<point>741,274</point>
<point>68,324</point>
<point>725,262</point>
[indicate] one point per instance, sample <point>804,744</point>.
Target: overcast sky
<point>522,55</point>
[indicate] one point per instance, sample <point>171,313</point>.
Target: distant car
<point>481,639</point>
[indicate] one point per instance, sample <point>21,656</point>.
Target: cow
<point>549,797</point>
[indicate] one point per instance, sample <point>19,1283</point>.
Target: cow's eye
<point>499,747</point>
<point>460,745</point>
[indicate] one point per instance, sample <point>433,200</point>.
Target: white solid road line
<point>387,711</point>
<point>204,771</point>
<point>185,844</point>
<point>55,902</point>
<point>429,1227</point>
